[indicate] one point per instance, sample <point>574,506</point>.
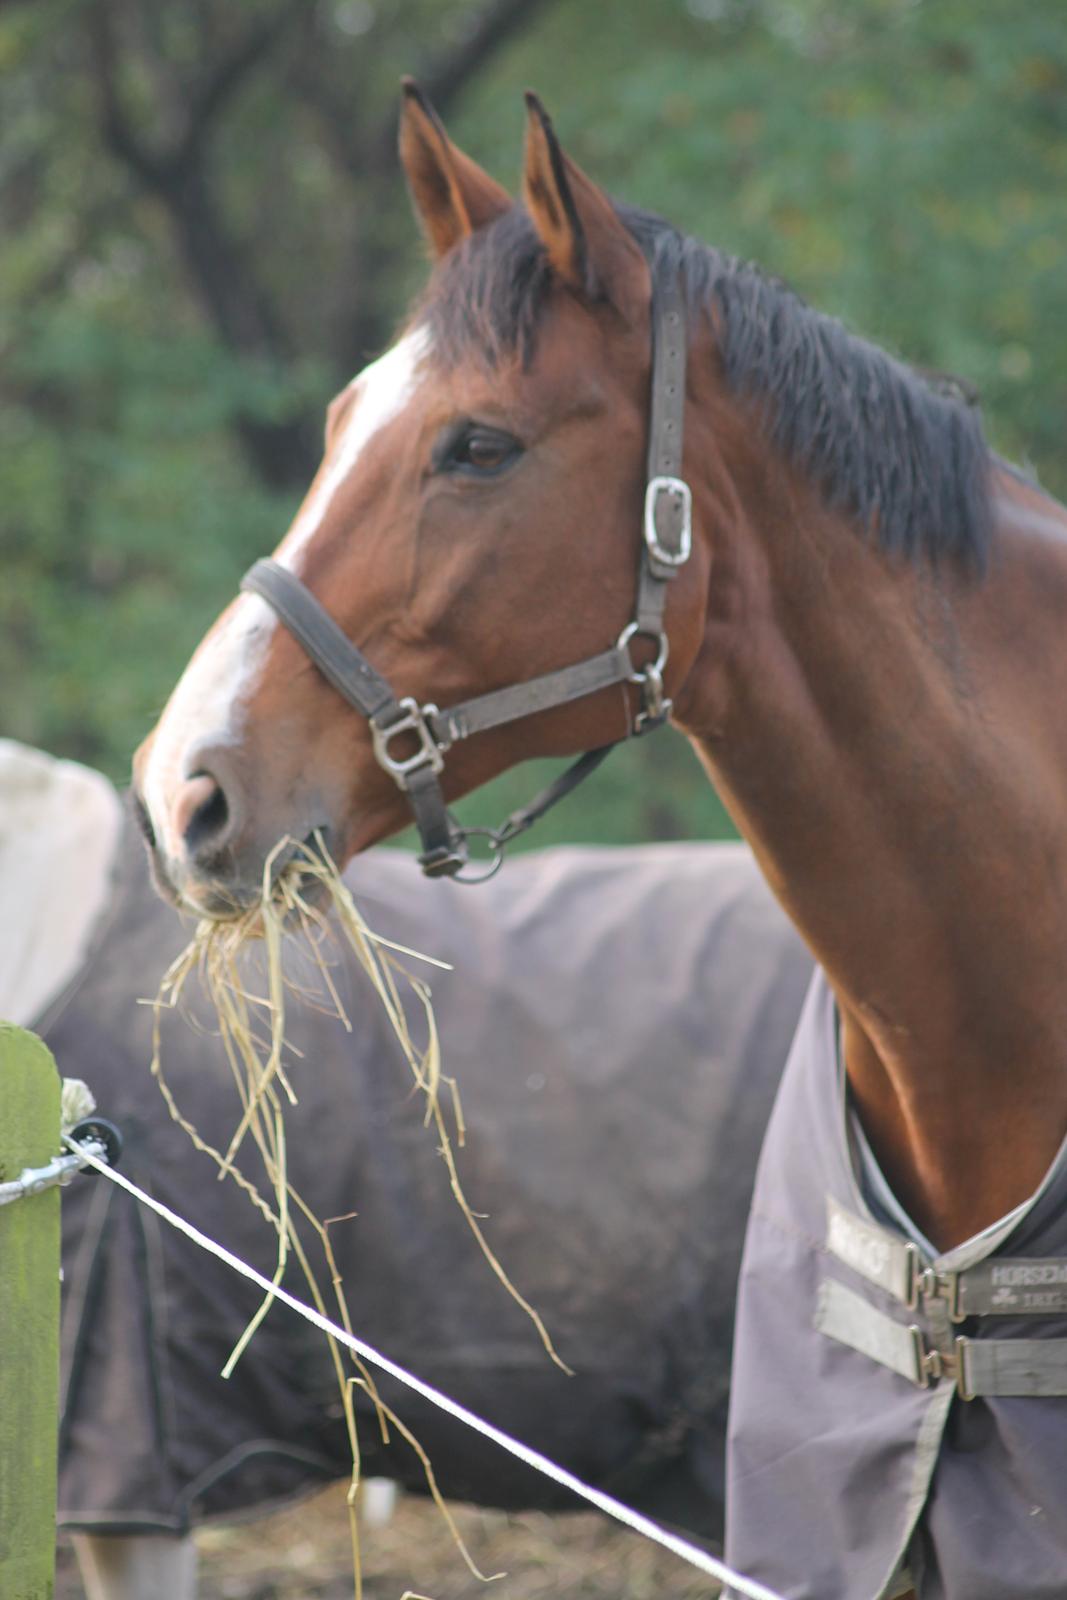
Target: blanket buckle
<point>926,1284</point>
<point>932,1364</point>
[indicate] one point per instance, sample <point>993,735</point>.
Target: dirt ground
<point>303,1554</point>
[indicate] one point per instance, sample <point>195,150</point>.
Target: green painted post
<point>29,1321</point>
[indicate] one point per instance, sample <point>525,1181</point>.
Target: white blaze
<point>208,705</point>
<point>382,391</point>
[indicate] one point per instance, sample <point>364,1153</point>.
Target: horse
<point>615,1157</point>
<point>854,611</point>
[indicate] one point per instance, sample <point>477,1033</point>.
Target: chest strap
<point>1033,1368</point>
<point>1005,1286</point>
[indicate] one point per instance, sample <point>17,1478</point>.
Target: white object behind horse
<point>60,825</point>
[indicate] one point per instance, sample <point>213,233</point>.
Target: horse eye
<point>480,452</point>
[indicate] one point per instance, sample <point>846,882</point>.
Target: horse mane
<point>901,453</point>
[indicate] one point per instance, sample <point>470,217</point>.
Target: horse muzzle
<point>211,849</point>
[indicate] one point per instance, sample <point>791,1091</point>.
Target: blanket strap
<point>1007,1367</point>
<point>1003,1286</point>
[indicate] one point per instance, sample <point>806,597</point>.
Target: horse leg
<point>136,1566</point>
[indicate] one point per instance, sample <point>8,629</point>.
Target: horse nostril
<point>201,814</point>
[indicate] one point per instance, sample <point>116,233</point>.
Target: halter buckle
<point>682,497</point>
<point>415,719</point>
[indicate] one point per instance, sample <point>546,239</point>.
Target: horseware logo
<point>1024,1274</point>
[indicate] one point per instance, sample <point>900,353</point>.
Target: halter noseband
<point>668,524</point>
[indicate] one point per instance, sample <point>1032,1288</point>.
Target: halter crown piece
<point>667,542</point>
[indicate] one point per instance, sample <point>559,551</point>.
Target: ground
<point>303,1554</point>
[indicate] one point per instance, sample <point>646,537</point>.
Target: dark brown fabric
<point>617,1020</point>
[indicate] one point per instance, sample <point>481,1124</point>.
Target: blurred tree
<point>164,81</point>
<point>168,174</point>
<point>206,232</point>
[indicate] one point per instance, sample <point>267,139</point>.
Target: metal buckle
<point>415,720</point>
<point>932,1365</point>
<point>928,1364</point>
<point>660,552</point>
<point>928,1284</point>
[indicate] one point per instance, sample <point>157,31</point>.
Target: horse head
<point>474,524</point>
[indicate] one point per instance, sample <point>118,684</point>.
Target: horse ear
<point>451,193</point>
<point>587,244</point>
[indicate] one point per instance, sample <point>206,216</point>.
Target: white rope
<point>714,1568</point>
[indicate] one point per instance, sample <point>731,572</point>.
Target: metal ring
<point>638,674</point>
<point>489,868</point>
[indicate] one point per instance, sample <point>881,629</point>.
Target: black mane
<point>903,455</point>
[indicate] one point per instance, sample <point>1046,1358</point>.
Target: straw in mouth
<point>303,893</point>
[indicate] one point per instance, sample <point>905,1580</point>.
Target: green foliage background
<point>902,162</point>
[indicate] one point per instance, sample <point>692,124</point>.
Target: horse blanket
<point>844,1465</point>
<point>60,825</point>
<point>617,1020</point>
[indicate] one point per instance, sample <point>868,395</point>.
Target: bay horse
<point>858,621</point>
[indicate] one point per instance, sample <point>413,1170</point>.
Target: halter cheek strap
<point>667,542</point>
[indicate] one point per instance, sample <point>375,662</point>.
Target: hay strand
<point>256,1059</point>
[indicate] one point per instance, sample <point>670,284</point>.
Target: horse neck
<point>899,764</point>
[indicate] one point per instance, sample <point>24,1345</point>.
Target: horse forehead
<point>382,388</point>
<point>373,399</point>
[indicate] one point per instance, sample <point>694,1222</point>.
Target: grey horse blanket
<point>841,1467</point>
<point>617,1021</point>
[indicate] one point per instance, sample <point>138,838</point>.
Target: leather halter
<point>665,548</point>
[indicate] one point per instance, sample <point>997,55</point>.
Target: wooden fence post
<point>29,1320</point>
